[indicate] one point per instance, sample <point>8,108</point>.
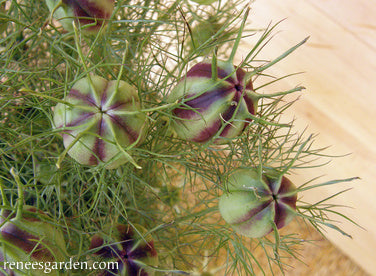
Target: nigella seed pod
<point>99,119</point>
<point>212,103</point>
<point>254,205</point>
<point>134,254</point>
<point>92,13</point>
<point>217,99</point>
<point>205,34</point>
<point>31,237</point>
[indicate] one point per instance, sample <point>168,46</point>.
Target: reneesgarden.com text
<point>48,267</point>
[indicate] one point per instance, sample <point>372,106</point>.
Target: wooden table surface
<point>339,103</point>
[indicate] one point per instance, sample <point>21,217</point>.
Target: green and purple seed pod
<point>215,100</point>
<point>212,106</point>
<point>100,117</point>
<point>31,237</point>
<point>92,13</point>
<point>255,205</point>
<point>134,254</point>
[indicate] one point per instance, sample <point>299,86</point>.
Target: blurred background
<point>339,104</point>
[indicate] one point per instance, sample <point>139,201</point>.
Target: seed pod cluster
<point>98,117</point>
<point>133,253</point>
<point>254,205</point>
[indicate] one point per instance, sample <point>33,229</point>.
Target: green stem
<point>81,55</point>
<point>258,70</point>
<point>3,197</point>
<point>20,199</point>
<point>238,38</point>
<point>257,96</point>
<point>59,4</point>
<point>214,66</point>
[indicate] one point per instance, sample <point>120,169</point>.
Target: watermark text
<point>48,267</point>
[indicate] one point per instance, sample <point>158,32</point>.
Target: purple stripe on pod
<point>97,241</point>
<point>286,186</point>
<point>99,145</point>
<point>255,221</point>
<point>204,70</point>
<point>23,240</point>
<point>249,86</point>
<point>104,94</point>
<point>251,105</point>
<point>253,212</point>
<point>201,103</point>
<point>77,122</point>
<point>207,133</point>
<point>134,269</point>
<point>289,200</point>
<point>122,124</point>
<point>143,251</point>
<point>87,98</point>
<point>240,74</point>
<point>229,126</point>
<point>281,214</point>
<point>120,105</point>
<point>5,214</point>
<point>88,12</point>
<point>229,114</point>
<point>84,116</point>
<point>125,232</point>
<point>90,8</point>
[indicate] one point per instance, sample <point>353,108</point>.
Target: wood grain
<point>339,62</point>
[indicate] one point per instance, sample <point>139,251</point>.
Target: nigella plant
<point>137,117</point>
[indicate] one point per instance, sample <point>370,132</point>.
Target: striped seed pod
<point>122,244</point>
<point>254,205</point>
<point>92,13</point>
<point>100,117</point>
<point>216,99</point>
<point>212,103</point>
<point>31,237</point>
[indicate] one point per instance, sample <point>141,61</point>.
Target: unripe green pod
<point>205,35</point>
<point>254,205</point>
<point>208,103</point>
<point>86,12</point>
<point>100,117</point>
<point>122,244</point>
<point>31,237</point>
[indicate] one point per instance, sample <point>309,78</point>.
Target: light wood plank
<point>339,104</point>
<point>356,16</point>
